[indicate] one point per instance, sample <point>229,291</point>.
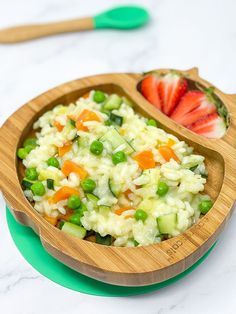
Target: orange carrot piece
<point>64,149</point>
<point>51,220</point>
<point>127,192</point>
<point>119,211</point>
<point>62,194</point>
<point>145,160</point>
<point>129,216</point>
<point>86,115</point>
<point>170,142</point>
<point>167,153</point>
<point>86,95</point>
<point>69,166</point>
<point>58,125</point>
<point>69,213</point>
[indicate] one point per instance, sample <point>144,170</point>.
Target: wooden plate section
<point>116,265</point>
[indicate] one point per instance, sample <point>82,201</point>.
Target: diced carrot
<point>69,213</point>
<point>86,115</point>
<point>167,153</point>
<point>119,211</point>
<point>69,166</point>
<point>129,216</point>
<point>62,194</point>
<point>127,192</point>
<point>51,220</point>
<point>58,125</point>
<point>86,95</point>
<point>64,149</point>
<point>170,142</point>
<point>145,159</point>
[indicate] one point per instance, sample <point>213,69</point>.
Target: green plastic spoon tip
<point>123,17</point>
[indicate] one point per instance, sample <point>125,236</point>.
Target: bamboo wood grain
<point>27,32</point>
<point>125,266</point>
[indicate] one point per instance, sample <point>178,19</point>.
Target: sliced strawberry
<point>211,126</point>
<point>149,89</point>
<point>172,87</point>
<point>193,106</point>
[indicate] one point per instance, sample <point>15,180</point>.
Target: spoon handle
<point>27,32</point>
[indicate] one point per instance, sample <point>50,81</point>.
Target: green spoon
<point>124,17</point>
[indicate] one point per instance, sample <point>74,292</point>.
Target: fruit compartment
<point>187,101</point>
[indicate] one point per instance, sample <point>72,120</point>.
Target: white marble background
<point>182,34</point>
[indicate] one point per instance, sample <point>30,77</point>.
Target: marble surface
<point>182,34</point>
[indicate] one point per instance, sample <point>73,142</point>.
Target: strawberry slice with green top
<point>193,106</point>
<point>211,126</point>
<point>149,89</point>
<point>171,88</point>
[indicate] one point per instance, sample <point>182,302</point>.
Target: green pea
<point>88,185</point>
<point>75,219</point>
<point>31,174</point>
<point>140,215</point>
<point>53,162</point>
<point>30,141</point>
<point>38,188</point>
<point>83,208</point>
<point>28,148</point>
<point>162,189</point>
<point>119,157</point>
<point>205,206</point>
<point>22,153</point>
<point>96,148</point>
<point>74,201</point>
<point>152,122</point>
<point>99,96</point>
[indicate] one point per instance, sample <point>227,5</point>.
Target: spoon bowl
<point>125,17</point>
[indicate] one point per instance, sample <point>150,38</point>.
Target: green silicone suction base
<point>29,245</point>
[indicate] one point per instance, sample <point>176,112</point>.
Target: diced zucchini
<point>50,184</point>
<point>167,223</point>
<point>116,119</point>
<point>72,122</point>
<point>127,101</point>
<point>115,191</point>
<point>92,198</point>
<point>115,140</point>
<point>76,139</point>
<point>74,230</point>
<point>26,184</point>
<point>107,240</point>
<point>112,102</point>
<point>104,210</point>
<point>148,205</point>
<point>45,174</point>
<point>84,142</point>
<point>193,168</point>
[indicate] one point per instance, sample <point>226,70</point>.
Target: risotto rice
<point>101,171</point>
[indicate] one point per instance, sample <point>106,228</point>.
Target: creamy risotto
<point>100,171</point>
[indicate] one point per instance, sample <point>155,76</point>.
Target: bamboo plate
<point>137,266</point>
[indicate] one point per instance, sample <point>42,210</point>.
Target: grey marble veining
<point>182,34</point>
